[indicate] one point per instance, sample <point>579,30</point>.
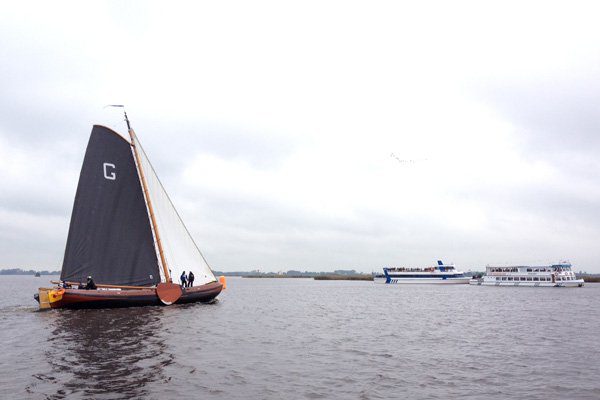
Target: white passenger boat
<point>439,274</point>
<point>558,275</point>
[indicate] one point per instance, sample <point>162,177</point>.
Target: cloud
<point>271,127</point>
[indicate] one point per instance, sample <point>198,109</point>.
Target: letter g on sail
<point>109,167</point>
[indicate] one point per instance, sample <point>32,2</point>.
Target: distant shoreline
<point>335,277</point>
<point>274,276</point>
<point>318,276</point>
<point>362,277</point>
<point>19,271</point>
<point>591,279</point>
<point>324,277</point>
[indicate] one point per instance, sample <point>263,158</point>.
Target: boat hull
<point>430,281</point>
<point>481,282</point>
<point>107,298</point>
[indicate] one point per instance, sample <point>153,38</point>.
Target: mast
<point>148,201</point>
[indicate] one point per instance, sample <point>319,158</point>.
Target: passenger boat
<point>126,235</point>
<point>439,274</point>
<point>558,275</point>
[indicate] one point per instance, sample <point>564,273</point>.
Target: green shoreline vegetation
<point>334,277</point>
<point>337,275</point>
<point>19,271</point>
<point>345,275</point>
<point>321,277</point>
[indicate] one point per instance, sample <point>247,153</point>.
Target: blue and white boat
<point>439,274</point>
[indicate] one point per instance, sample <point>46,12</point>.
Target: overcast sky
<point>316,135</point>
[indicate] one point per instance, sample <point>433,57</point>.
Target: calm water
<point>299,338</point>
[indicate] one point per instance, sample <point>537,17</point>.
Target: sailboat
<point>126,235</point>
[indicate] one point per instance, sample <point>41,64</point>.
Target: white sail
<point>179,249</point>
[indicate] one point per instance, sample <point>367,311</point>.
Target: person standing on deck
<point>191,279</point>
<point>183,279</point>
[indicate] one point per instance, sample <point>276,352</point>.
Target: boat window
<point>510,278</point>
<point>535,278</point>
<point>523,278</point>
<point>503,278</point>
<point>529,278</point>
<point>497,278</point>
<point>528,269</point>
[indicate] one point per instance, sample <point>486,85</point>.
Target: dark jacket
<point>90,284</point>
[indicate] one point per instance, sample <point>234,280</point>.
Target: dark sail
<point>110,237</point>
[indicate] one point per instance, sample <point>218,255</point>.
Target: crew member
<point>183,279</point>
<point>90,284</point>
<point>190,279</point>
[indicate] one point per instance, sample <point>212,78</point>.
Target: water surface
<point>299,338</point>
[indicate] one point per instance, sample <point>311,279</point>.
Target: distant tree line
<point>290,273</point>
<point>19,271</point>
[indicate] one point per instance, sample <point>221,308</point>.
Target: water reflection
<point>107,353</point>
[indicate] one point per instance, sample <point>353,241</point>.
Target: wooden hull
<point>103,298</point>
